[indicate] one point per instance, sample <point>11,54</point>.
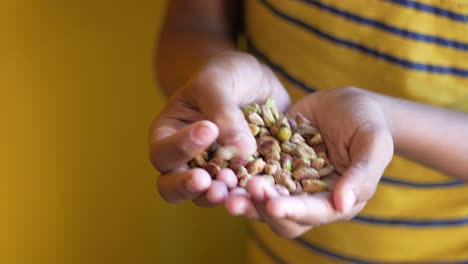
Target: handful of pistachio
<point>290,153</point>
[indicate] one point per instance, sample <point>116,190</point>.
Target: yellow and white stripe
<point>416,50</point>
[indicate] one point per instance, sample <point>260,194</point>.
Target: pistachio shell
<point>313,186</point>
<point>256,167</point>
<point>318,163</point>
<point>252,108</point>
<point>288,147</point>
<point>255,130</point>
<point>226,153</point>
<point>305,152</point>
<point>283,177</point>
<point>326,170</point>
<point>316,139</point>
<point>302,120</point>
<point>255,119</point>
<point>284,134</point>
<point>305,173</point>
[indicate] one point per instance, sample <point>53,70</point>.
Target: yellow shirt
<point>416,50</point>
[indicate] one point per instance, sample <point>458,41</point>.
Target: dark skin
<point>208,80</point>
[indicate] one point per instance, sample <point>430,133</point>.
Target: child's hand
<point>202,111</point>
<point>360,146</point>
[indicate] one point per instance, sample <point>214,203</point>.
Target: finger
<point>220,89</point>
<point>239,204</point>
<point>216,195</point>
<point>228,177</point>
<point>185,185</point>
<point>260,189</point>
<point>180,147</point>
<point>224,111</point>
<point>309,210</point>
<point>371,150</point>
<point>283,227</point>
<point>305,209</point>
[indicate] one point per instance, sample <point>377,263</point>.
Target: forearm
<point>193,32</point>
<point>433,136</point>
<point>180,54</point>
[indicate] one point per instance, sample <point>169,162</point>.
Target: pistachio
<point>241,172</point>
<point>313,186</point>
<point>256,167</point>
<point>284,122</point>
<point>220,162</point>
<point>292,124</point>
<point>318,163</point>
<point>326,170</point>
<point>263,139</point>
<point>255,130</point>
<point>302,120</point>
<point>212,168</point>
<point>264,132</point>
<point>272,156</point>
<point>255,119</point>
<point>226,153</point>
<point>315,139</point>
<point>272,167</point>
<point>237,162</point>
<point>252,108</point>
<point>270,103</point>
<point>268,117</point>
<point>283,177</point>
<point>320,150</point>
<point>268,146</point>
<point>274,131</point>
<point>301,163</point>
<point>296,138</point>
<point>200,159</point>
<point>305,173</point>
<point>290,153</point>
<point>305,152</point>
<point>284,134</point>
<point>287,162</point>
<point>288,147</point>
<point>307,131</point>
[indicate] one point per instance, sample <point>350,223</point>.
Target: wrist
<point>390,107</point>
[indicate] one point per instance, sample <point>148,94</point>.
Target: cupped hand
<point>204,110</point>
<point>360,146</point>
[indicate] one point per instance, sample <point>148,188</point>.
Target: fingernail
<point>202,134</point>
<point>349,201</point>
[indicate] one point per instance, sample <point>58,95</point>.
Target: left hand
<point>360,146</point>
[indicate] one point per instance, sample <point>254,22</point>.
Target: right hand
<point>205,109</point>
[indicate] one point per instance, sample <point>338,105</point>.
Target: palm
<point>205,109</point>
<point>359,145</point>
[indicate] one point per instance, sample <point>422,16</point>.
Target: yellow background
<point>77,96</point>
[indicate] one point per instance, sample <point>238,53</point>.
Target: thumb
<point>370,152</point>
<point>222,108</point>
<point>233,128</point>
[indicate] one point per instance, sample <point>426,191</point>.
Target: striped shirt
<point>416,50</point>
